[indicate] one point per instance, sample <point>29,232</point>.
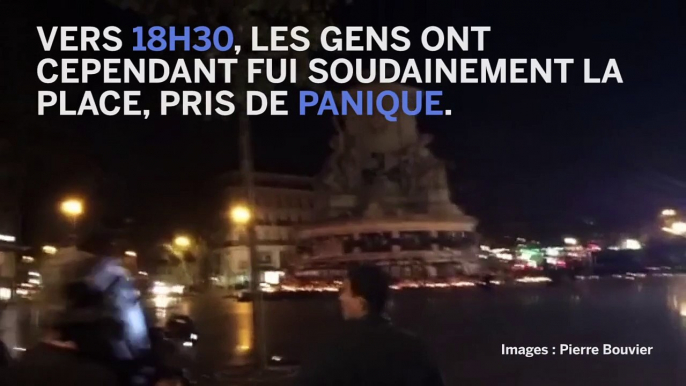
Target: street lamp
<point>49,249</point>
<point>240,214</point>
<point>182,241</point>
<point>668,212</point>
<point>571,241</point>
<point>72,208</point>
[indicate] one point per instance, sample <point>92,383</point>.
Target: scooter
<point>174,349</point>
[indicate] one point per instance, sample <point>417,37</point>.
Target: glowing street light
<point>182,241</point>
<point>668,212</point>
<point>571,241</point>
<point>130,253</point>
<point>49,249</point>
<point>8,238</point>
<point>632,244</point>
<point>72,207</point>
<point>240,214</point>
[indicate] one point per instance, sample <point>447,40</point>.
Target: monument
<point>383,197</point>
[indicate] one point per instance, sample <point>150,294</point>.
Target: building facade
<point>282,203</point>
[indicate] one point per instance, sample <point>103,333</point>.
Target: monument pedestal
<point>386,197</point>
<point>341,205</point>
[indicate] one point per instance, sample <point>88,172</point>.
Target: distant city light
<point>631,244</point>
<point>668,212</point>
<point>161,301</point>
<point>552,252</point>
<point>533,279</point>
<point>551,260</point>
<point>49,249</point>
<point>594,248</point>
<point>130,253</point>
<point>161,289</point>
<point>5,293</point>
<point>571,241</point>
<point>273,277</point>
<point>8,238</point>
<point>27,259</point>
<point>526,254</point>
<point>142,273</point>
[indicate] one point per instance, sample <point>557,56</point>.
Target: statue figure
<point>430,172</point>
<point>418,170</point>
<point>341,173</point>
<point>382,164</point>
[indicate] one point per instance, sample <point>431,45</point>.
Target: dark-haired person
<point>370,351</point>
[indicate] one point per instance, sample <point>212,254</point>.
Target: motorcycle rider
<point>96,330</point>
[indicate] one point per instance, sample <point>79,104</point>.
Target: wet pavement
<point>466,329</point>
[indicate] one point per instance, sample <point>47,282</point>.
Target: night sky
<point>533,159</point>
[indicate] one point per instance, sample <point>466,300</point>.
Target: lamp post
<point>181,244</point>
<point>73,209</point>
<point>241,215</point>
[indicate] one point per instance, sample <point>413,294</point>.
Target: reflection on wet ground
<point>466,329</point>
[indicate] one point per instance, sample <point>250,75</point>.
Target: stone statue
<point>418,170</point>
<point>342,173</point>
<point>382,166</point>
